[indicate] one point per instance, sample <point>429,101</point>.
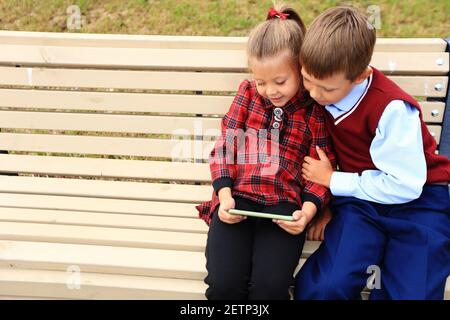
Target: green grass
<point>405,18</point>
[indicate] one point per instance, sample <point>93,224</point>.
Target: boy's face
<point>277,78</point>
<point>332,89</point>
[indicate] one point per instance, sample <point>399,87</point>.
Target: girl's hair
<point>276,34</point>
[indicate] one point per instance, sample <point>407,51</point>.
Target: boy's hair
<point>341,39</point>
<point>277,34</point>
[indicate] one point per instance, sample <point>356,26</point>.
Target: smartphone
<point>260,214</point>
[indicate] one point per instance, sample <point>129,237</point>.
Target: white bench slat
<point>175,149</point>
<point>29,298</point>
<point>410,44</point>
<point>106,79</point>
<point>104,236</point>
<point>174,126</point>
<point>192,59</point>
<point>141,102</point>
<point>159,80</point>
<point>98,205</point>
<point>186,42</point>
<point>122,40</point>
<point>120,146</point>
<point>106,189</point>
<point>93,219</point>
<point>433,112</point>
<point>435,132</point>
<point>44,283</point>
<point>426,63</point>
<point>447,289</point>
<point>124,58</point>
<point>422,86</point>
<point>103,259</point>
<point>110,123</point>
<point>119,102</point>
<point>93,167</point>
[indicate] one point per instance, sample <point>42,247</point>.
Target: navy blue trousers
<point>409,243</point>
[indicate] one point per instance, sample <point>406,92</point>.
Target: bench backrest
<point>124,107</point>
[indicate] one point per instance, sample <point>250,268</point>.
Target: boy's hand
<point>316,231</point>
<point>301,219</point>
<point>227,203</point>
<point>318,171</point>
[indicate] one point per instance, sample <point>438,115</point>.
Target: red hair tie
<point>276,14</point>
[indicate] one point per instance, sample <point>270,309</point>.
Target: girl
<point>276,125</point>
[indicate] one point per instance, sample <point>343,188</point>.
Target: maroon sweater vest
<point>353,135</point>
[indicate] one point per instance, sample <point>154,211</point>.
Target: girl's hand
<point>316,232</point>
<point>227,203</point>
<point>298,225</point>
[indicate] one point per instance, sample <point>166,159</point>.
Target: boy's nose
<point>314,94</point>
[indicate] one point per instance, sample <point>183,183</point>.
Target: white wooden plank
<point>106,189</point>
<point>98,205</point>
<point>110,123</point>
<point>423,63</point>
<point>141,102</point>
<point>175,126</point>
<point>410,44</point>
<point>176,150</point>
<point>103,259</point>
<point>29,298</point>
<point>433,112</point>
<point>125,79</point>
<point>436,132</point>
<point>118,102</point>
<point>422,86</point>
<point>186,42</point>
<point>44,283</point>
<point>192,59</point>
<point>126,58</point>
<point>159,80</point>
<point>121,40</point>
<point>110,220</point>
<point>104,236</point>
<point>112,168</point>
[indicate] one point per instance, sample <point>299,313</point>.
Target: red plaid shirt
<point>266,168</point>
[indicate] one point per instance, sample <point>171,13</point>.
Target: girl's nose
<point>271,91</point>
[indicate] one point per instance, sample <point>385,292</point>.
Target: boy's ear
<point>363,76</point>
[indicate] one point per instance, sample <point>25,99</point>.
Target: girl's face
<point>277,78</point>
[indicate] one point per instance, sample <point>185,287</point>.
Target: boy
<point>391,206</point>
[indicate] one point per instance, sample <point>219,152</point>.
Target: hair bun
<point>274,14</point>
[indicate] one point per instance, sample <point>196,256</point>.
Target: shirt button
<point>276,125</point>
<point>278,119</point>
<point>278,112</point>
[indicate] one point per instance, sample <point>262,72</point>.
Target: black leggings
<point>252,259</point>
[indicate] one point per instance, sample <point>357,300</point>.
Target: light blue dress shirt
<point>396,151</point>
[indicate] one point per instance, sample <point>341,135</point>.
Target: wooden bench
<point>92,123</point>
